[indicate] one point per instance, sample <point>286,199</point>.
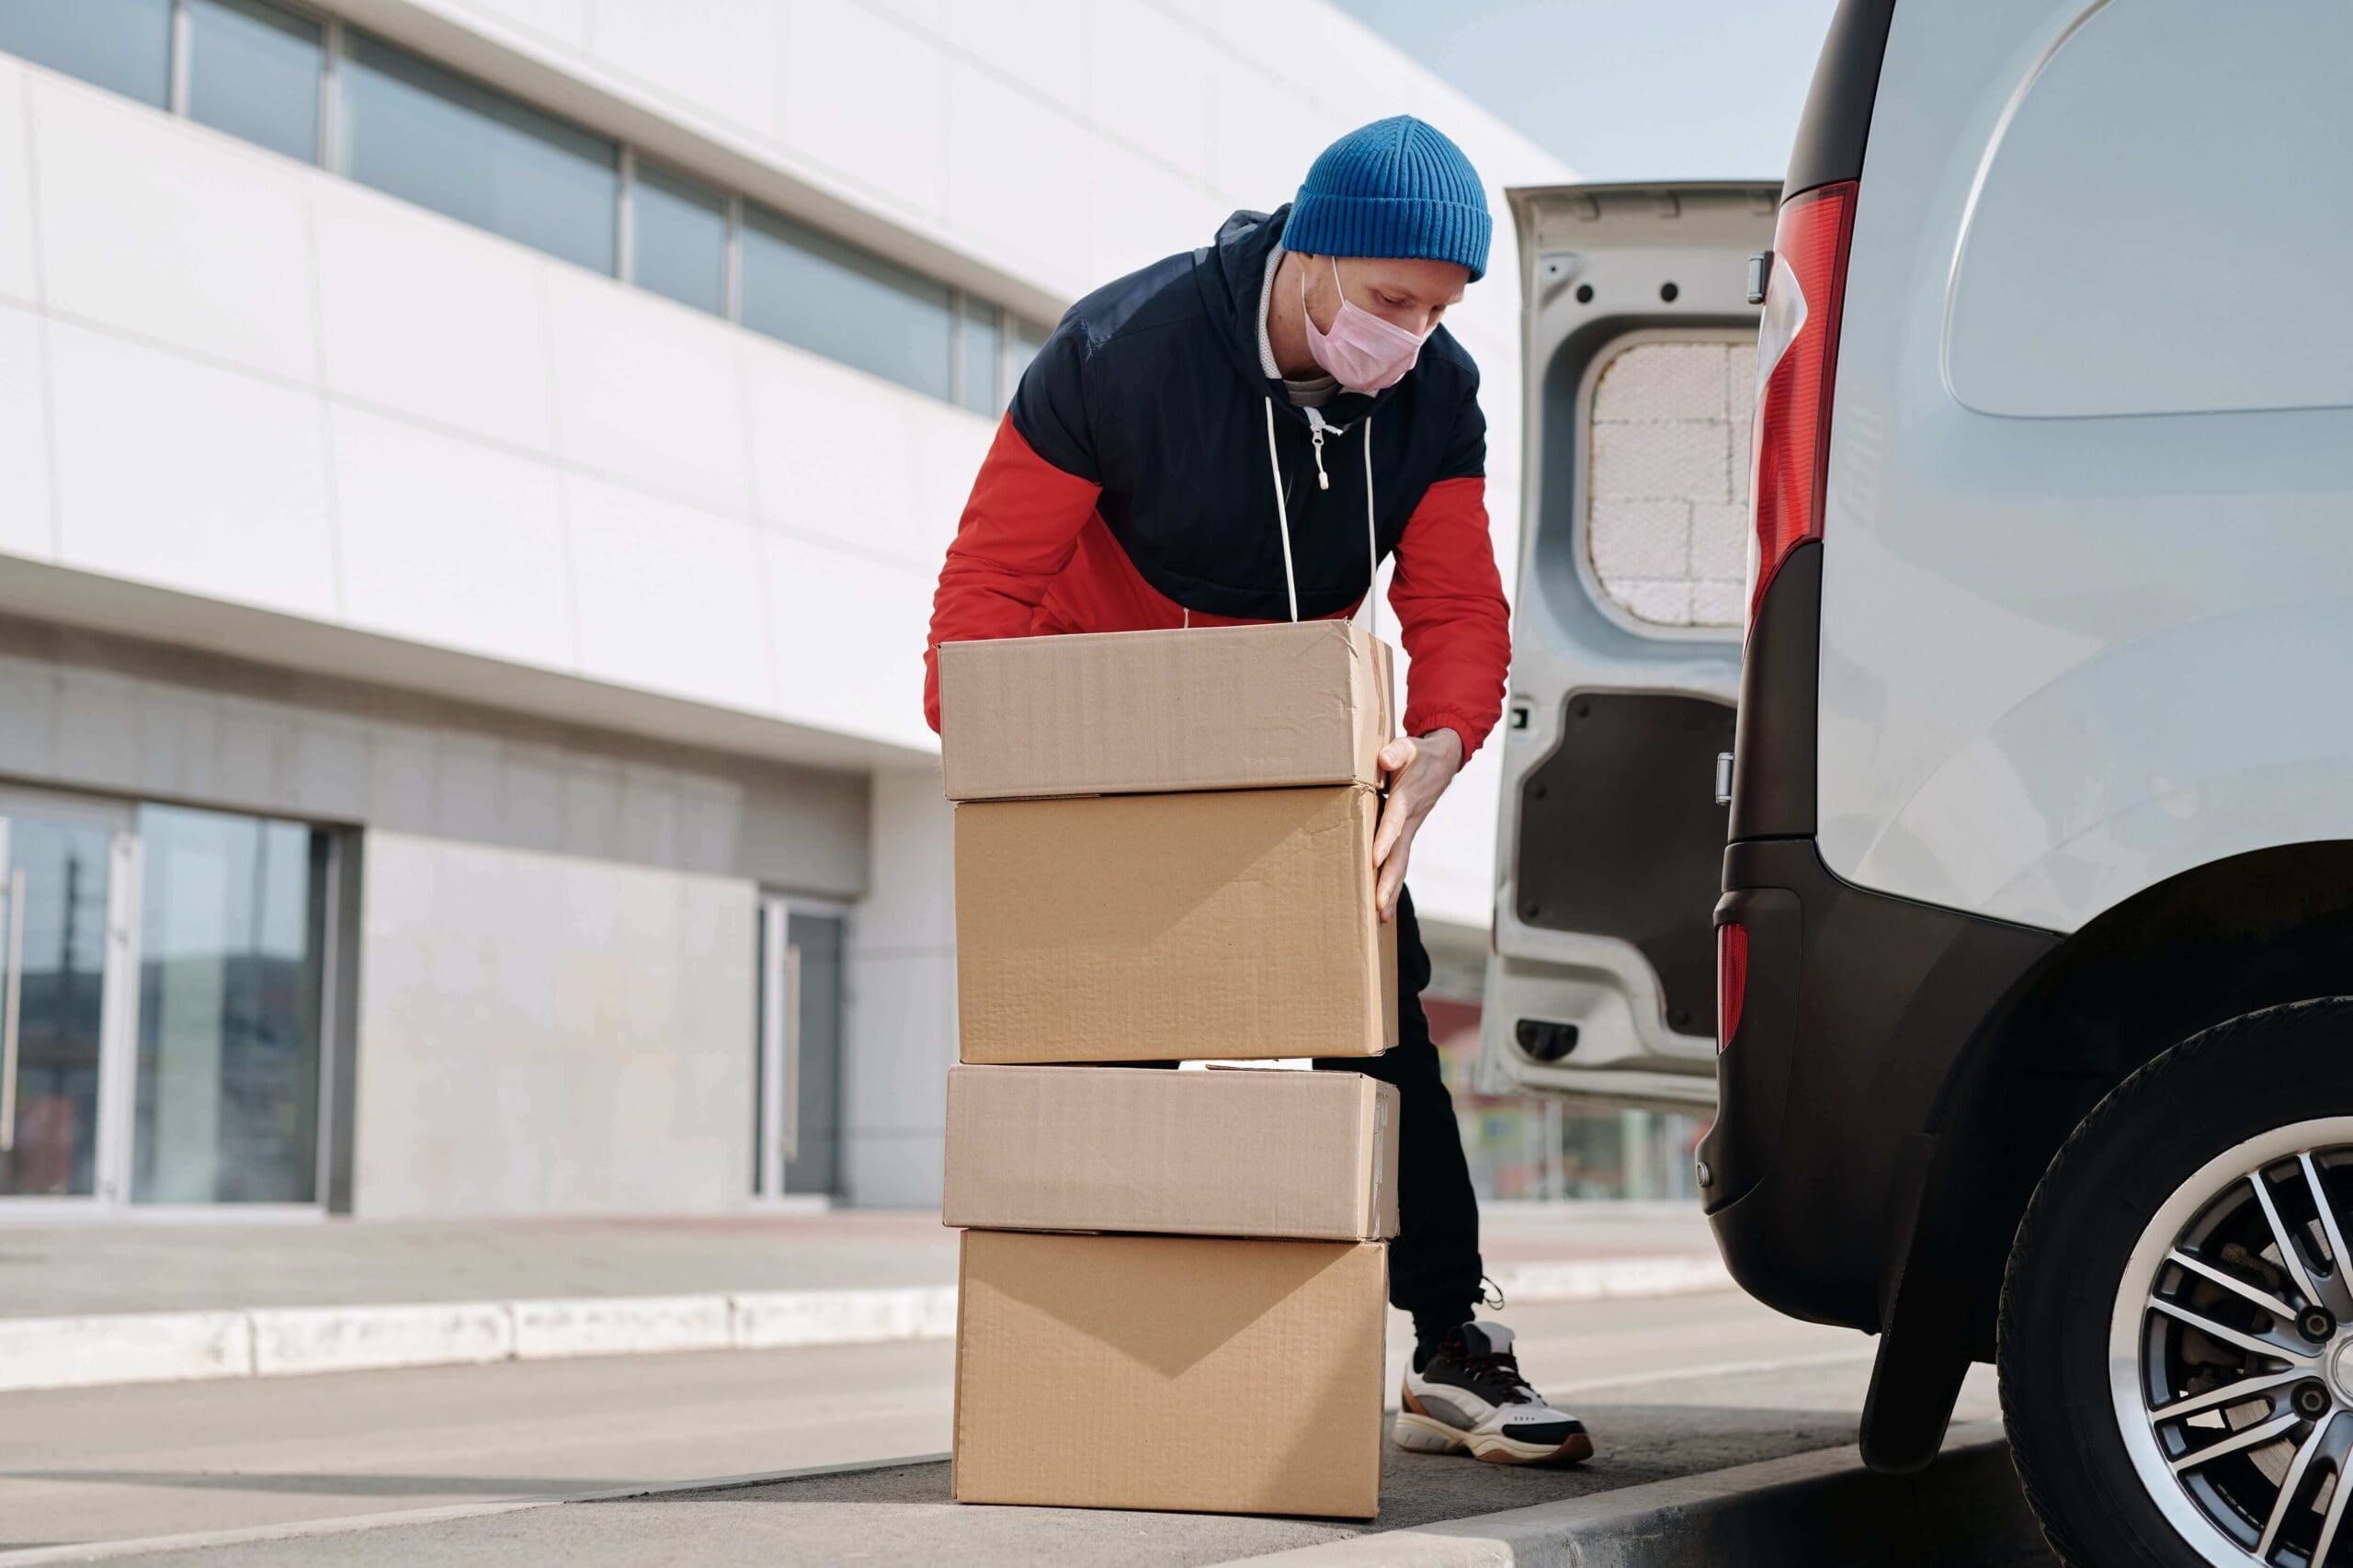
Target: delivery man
<point>1238,434</point>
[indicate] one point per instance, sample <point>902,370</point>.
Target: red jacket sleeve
<point>1452,615</point>
<point>1018,529</point>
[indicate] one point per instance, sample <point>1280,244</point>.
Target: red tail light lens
<point>1732,980</point>
<point>1797,355</point>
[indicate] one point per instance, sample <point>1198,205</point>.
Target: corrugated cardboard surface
<point>1215,1153</point>
<point>1233,924</point>
<point>1170,1372</point>
<point>1120,712</point>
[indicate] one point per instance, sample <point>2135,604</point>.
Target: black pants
<point>1434,1264</point>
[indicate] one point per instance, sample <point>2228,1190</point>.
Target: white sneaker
<point>1471,1398</point>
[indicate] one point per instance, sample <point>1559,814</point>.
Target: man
<point>1237,434</point>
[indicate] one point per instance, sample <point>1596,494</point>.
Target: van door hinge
<point>1760,270</point>
<point>1723,778</point>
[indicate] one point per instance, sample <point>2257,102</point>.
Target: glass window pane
<point>253,72</point>
<point>61,868</point>
<point>1028,337</point>
<point>827,296</point>
<point>124,46</point>
<point>982,343</point>
<point>431,137</point>
<point>233,921</point>
<point>678,240</point>
<point>815,943</point>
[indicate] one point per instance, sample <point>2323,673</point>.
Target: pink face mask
<point>1362,352</point>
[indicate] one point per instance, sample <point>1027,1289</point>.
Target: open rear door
<point>1639,348</point>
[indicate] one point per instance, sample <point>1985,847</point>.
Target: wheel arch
<point>2214,943</point>
<point>2226,938</point>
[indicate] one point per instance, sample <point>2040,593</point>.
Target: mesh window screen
<point>1669,509</point>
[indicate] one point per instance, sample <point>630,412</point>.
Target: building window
<point>678,239</point>
<point>124,46</point>
<point>980,347</point>
<point>796,1119</point>
<point>414,131</point>
<point>315,89</point>
<point>253,71</point>
<point>816,293</point>
<point>172,962</point>
<point>58,877</point>
<point>232,916</point>
<point>1023,345</point>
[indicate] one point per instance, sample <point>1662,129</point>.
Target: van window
<point>1666,517</point>
<point>2163,227</point>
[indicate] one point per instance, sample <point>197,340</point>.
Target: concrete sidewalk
<point>1668,1494</point>
<point>130,1301</point>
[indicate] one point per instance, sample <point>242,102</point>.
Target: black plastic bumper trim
<point>1881,997</point>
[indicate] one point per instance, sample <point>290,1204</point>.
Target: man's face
<point>1410,294</point>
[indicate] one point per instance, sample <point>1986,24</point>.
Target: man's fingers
<point>1397,756</point>
<point>1393,877</point>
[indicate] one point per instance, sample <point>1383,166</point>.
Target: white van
<point>2029,996</point>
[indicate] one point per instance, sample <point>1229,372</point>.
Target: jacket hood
<point>1230,272</point>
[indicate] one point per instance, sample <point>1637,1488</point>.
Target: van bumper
<point>1835,1088</point>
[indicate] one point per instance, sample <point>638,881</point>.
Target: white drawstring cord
<point>1282,518</point>
<point>1282,513</point>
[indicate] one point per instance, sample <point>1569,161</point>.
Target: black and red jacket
<point>1130,488</point>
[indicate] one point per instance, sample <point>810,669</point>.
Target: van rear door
<point>1639,365</point>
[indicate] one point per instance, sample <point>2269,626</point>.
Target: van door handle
<point>12,998</point>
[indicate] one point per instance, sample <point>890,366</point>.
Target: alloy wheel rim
<point>2230,1352</point>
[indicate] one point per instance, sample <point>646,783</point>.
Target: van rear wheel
<point>2175,1343</point>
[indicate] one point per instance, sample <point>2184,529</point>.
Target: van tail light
<point>1732,980</point>
<point>1797,355</point>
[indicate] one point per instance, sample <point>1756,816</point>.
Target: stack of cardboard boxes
<point>1173,1283</point>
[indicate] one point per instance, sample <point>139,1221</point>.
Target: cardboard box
<point>1171,1372</point>
<point>1150,712</point>
<point>1165,928</point>
<point>1208,1153</point>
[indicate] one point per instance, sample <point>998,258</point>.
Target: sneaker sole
<point>1421,1434</point>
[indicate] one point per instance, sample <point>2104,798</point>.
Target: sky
<point>1625,89</point>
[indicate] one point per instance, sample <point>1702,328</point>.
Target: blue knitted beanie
<point>1394,187</point>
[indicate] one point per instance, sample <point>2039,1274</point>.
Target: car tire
<point>2097,1310</point>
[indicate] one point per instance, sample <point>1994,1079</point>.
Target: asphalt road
<point>1685,1383</point>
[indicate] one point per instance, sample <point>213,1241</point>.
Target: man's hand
<point>1418,772</point>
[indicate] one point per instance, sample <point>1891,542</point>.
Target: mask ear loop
<point>1282,513</point>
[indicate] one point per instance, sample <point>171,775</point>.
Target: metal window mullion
<point>331,45</point>
<point>115,1159</point>
<point>624,252</point>
<point>176,84</point>
<point>731,286</point>
<point>769,1112</point>
<point>322,1041</point>
<point>956,368</point>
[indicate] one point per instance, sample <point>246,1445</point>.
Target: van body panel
<point>2065,658</point>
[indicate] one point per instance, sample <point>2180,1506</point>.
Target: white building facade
<point>473,474</point>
